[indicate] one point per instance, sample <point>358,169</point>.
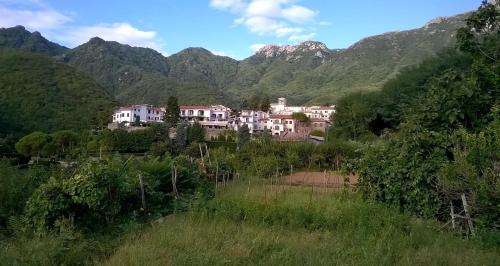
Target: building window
<point>277,128</point>
<point>190,112</point>
<point>201,113</point>
<point>128,114</point>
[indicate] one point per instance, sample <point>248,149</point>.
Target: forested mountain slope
<point>38,93</point>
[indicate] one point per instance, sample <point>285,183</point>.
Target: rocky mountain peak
<point>294,51</point>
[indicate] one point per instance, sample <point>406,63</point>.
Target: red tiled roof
<point>197,107</point>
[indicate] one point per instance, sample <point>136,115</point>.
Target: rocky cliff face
<point>294,52</point>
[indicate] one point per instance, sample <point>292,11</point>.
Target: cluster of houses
<point>279,120</point>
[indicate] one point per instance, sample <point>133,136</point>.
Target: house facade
<point>215,116</point>
<point>144,113</point>
<point>255,120</point>
<point>319,112</point>
<point>281,124</point>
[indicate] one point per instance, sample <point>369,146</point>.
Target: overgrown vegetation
<point>432,132</point>
<point>261,225</point>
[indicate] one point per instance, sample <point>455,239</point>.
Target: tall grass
<point>272,225</point>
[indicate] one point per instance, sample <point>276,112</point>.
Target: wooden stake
<point>208,154</point>
<point>216,174</point>
<point>452,213</point>
<point>174,182</point>
<point>201,155</point>
<point>312,191</point>
<point>324,179</point>
<point>143,197</point>
<point>467,214</point>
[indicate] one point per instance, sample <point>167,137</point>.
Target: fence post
<point>201,155</point>
<point>174,182</point>
<point>324,179</point>
<point>452,213</point>
<point>143,197</point>
<point>467,214</point>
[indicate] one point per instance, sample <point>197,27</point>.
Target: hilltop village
<point>281,120</point>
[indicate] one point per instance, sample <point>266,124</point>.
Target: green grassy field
<point>264,225</point>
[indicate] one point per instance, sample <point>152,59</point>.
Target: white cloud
<point>43,19</point>
<point>257,46</point>
<point>269,17</point>
<point>231,5</point>
<point>119,32</point>
<point>37,15</point>
<point>299,14</point>
<point>267,8</point>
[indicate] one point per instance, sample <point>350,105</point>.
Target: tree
<point>172,114</point>
<point>265,104</point>
<point>33,144</point>
<point>352,116</point>
<point>301,117</point>
<point>137,120</point>
<point>244,104</point>
<point>196,133</point>
<point>266,136</point>
<point>254,102</point>
<point>64,139</point>
<point>243,136</point>
<point>181,137</point>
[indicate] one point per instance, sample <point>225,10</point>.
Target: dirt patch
<point>320,179</point>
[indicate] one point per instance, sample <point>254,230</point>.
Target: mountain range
<point>308,72</point>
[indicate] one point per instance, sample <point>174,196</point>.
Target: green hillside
<point>137,75</point>
<point>19,38</point>
<point>308,72</point>
<point>40,94</point>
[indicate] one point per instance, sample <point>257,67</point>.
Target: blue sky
<point>227,27</point>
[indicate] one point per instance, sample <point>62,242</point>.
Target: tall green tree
<point>243,136</point>
<point>172,114</point>
<point>265,104</point>
<point>64,140</point>
<point>181,136</point>
<point>34,144</point>
<point>196,133</point>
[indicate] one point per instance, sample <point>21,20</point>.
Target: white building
<point>319,112</point>
<point>144,113</point>
<point>255,120</point>
<point>215,116</point>
<point>281,124</point>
